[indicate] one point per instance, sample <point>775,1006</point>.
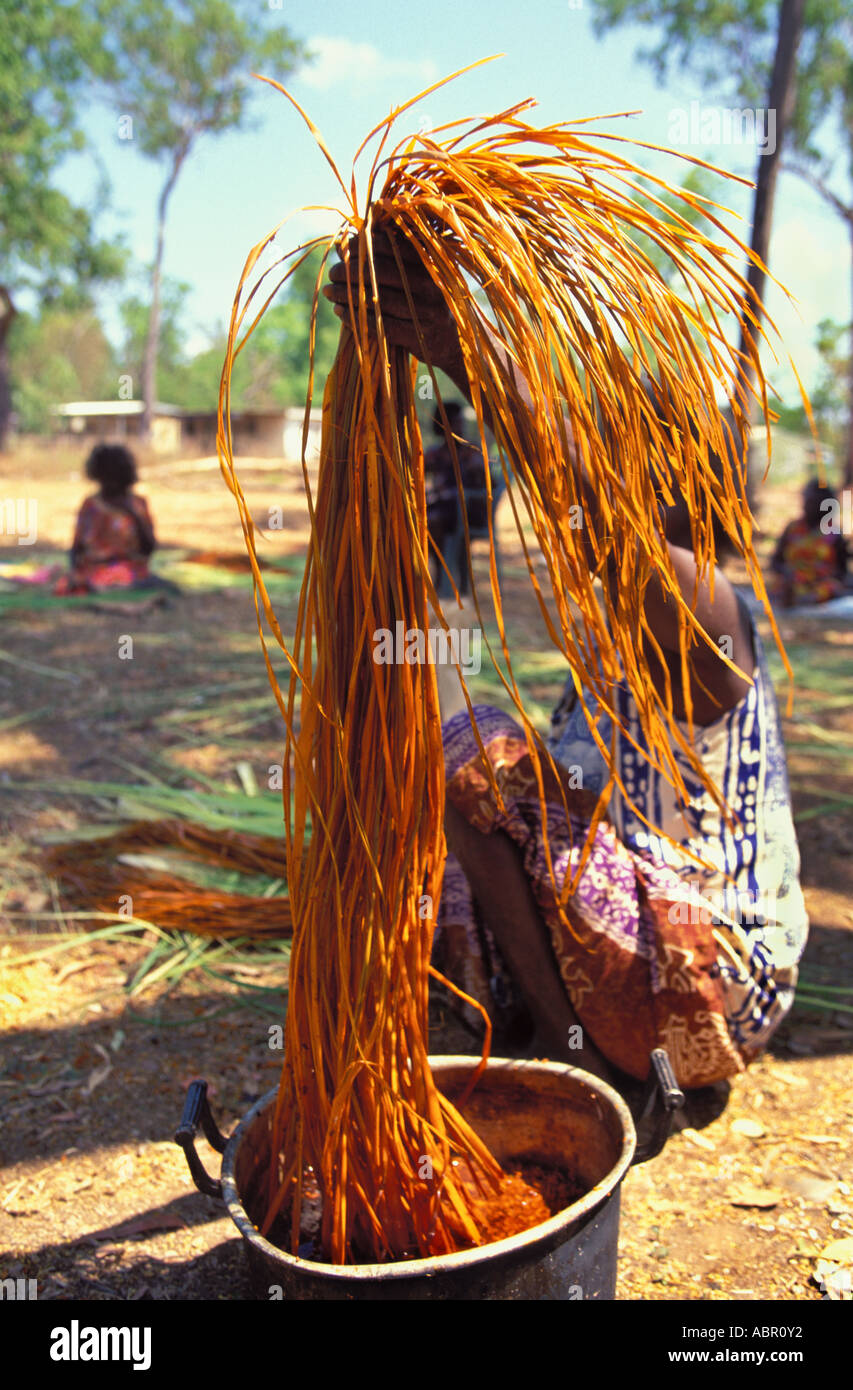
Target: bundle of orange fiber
<point>94,874</point>
<point>534,238</point>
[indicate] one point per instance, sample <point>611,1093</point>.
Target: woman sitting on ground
<point>810,561</point>
<point>686,926</point>
<point>114,537</point>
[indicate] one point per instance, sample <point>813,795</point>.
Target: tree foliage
<point>135,315</point>
<point>830,395</point>
<point>47,242</point>
<point>272,372</point>
<point>698,183</point>
<point>177,70</point>
<point>183,68</point>
<point>283,337</point>
<point>729,46</point>
<point>64,354</point>
<point>59,354</point>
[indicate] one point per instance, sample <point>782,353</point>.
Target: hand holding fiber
<point>415,314</point>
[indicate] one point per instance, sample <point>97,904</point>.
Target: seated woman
<point>810,560</point>
<point>685,928</point>
<point>114,537</point>
<point>652,948</point>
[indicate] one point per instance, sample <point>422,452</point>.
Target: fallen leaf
<point>701,1141</point>
<point>812,1186</point>
<point>50,1088</point>
<point>761,1197</point>
<point>35,901</point>
<point>125,1168</point>
<point>841,1251</point>
<point>99,1074</point>
<point>751,1128</point>
<point>144,1225</point>
<point>75,966</point>
<point>787,1078</point>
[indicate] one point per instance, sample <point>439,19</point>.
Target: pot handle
<point>663,1096</point>
<point>197,1112</point>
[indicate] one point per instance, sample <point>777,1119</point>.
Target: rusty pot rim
<point>437,1264</point>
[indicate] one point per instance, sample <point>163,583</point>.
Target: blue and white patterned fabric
<point>747,886</point>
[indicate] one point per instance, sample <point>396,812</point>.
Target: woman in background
<point>114,537</point>
<point>810,560</point>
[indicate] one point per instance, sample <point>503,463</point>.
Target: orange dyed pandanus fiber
<point>534,238</point>
<point>357,1099</point>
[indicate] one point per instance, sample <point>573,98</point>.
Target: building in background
<point>120,420</point>
<point>272,433</point>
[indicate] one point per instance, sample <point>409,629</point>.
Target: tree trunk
<point>781,98</point>
<point>152,341</point>
<point>8,314</point>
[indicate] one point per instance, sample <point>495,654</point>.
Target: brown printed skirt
<point>636,975</point>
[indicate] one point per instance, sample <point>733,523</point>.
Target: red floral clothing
<point>814,564</point>
<point>109,548</point>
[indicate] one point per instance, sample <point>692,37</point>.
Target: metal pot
<point>540,1112</point>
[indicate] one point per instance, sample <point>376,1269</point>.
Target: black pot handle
<point>663,1096</point>
<point>197,1112</point>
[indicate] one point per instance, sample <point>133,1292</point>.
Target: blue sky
<point>370,56</point>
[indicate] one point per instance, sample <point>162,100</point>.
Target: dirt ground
<point>95,1198</point>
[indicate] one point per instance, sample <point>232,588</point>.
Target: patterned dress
<point>107,551</point>
<point>814,562</point>
<point>654,949</point>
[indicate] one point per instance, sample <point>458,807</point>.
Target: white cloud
<point>341,62</point>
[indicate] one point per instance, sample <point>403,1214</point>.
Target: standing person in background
<point>114,536</point>
<point>444,519</point>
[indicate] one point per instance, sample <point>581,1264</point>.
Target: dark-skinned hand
<point>438,342</point>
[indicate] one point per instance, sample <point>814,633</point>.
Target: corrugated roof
<point>115,408</point>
